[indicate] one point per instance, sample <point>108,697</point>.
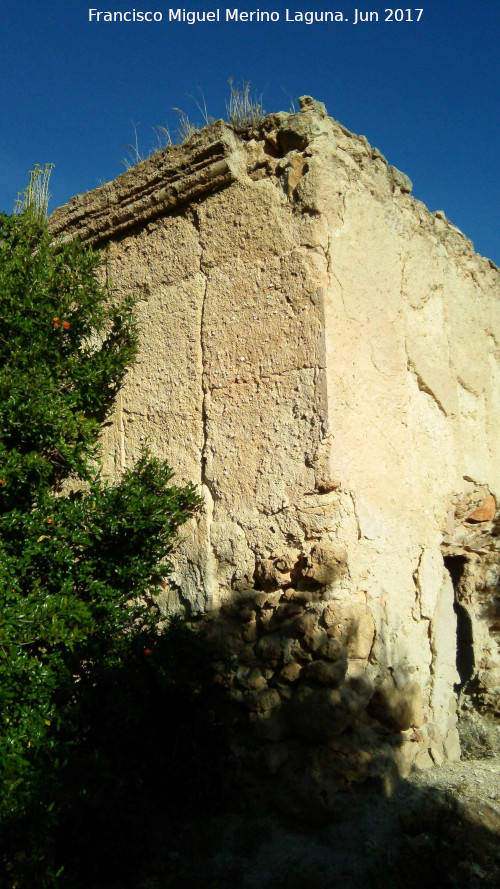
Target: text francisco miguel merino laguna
<point>191,17</point>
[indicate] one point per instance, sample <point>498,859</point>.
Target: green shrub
<point>86,678</point>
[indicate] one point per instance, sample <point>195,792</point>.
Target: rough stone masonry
<point>320,354</point>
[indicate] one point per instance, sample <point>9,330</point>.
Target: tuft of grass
<point>479,736</point>
<point>201,105</point>
<point>243,109</point>
<point>291,108</point>
<point>134,155</point>
<point>185,128</point>
<point>163,138</point>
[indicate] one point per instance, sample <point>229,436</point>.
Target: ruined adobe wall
<point>321,355</point>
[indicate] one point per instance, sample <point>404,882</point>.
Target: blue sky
<point>425,93</point>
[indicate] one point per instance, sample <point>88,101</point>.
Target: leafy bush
<point>89,687</point>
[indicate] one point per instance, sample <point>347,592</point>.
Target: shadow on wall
<point>312,726</point>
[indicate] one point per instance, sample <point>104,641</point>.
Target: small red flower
<point>66,325</point>
<point>50,521</point>
<point>56,322</point>
<point>147,651</point>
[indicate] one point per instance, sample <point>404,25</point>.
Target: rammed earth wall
<point>320,354</point>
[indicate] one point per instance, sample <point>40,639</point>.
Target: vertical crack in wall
<point>121,427</point>
<point>319,459</point>
<point>402,287</point>
<point>210,573</point>
<point>334,277</point>
<point>204,412</point>
<point>204,386</point>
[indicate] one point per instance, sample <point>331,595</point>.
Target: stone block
<point>325,563</point>
<point>352,625</point>
<point>264,700</point>
<point>331,673</point>
<point>252,680</point>
<point>400,179</point>
<point>485,512</point>
<point>272,573</point>
<point>269,648</point>
<point>299,626</point>
<point>398,708</point>
<point>294,651</point>
<point>322,713</point>
<point>290,672</point>
<point>316,640</point>
<point>331,649</point>
<point>249,632</point>
<point>423,760</point>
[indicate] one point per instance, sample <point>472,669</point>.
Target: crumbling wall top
<point>221,153</point>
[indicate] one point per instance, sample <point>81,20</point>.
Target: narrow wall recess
<point>455,565</point>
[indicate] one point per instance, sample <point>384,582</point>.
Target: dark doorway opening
<point>455,565</point>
